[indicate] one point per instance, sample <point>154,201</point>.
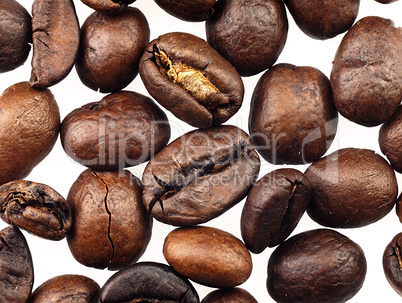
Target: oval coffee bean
<point>399,207</point>
<point>351,188</point>
<point>188,10</point>
<point>108,5</point>
<point>366,76</point>
<point>29,126</point>
<point>36,208</point>
<point>392,263</point>
<point>274,206</point>
<point>235,294</point>
<point>200,175</point>
<point>320,265</point>
<point>56,38</point>
<point>208,256</point>
<point>147,282</point>
<point>16,34</point>
<point>111,228</point>
<point>16,268</point>
<point>123,129</point>
<point>191,79</point>
<point>249,34</point>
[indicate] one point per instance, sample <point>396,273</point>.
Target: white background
<point>59,171</point>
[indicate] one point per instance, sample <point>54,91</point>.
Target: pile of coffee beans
<point>200,151</point>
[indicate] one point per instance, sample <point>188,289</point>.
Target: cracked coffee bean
<point>29,126</point>
<point>351,188</point>
<point>66,289</point>
<point>392,263</point>
<point>148,282</point>
<point>56,37</point>
<point>111,228</point>
<point>208,256</point>
<point>191,79</point>
<point>235,294</point>
<point>188,10</point>
<point>15,35</point>
<point>200,175</point>
<point>36,208</point>
<point>16,268</point>
<point>123,129</point>
<point>249,34</point>
<point>113,6</point>
<point>274,207</point>
<point>320,265</point>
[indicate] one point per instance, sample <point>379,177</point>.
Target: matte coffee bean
<point>351,188</point>
<point>148,282</point>
<point>188,10</point>
<point>16,268</point>
<point>110,49</point>
<point>293,119</point>
<point>200,175</point>
<point>56,37</point>
<point>111,228</point>
<point>15,35</point>
<point>250,34</point>
<point>191,79</point>
<point>36,208</point>
<point>29,126</point>
<point>208,256</point>
<point>66,289</point>
<point>274,207</point>
<point>392,263</point>
<point>366,76</point>
<point>320,265</point>
<point>113,6</point>
<point>123,129</point>
<point>236,294</point>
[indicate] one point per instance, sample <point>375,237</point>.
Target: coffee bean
<point>208,256</point>
<point>188,10</point>
<point>200,175</point>
<point>386,1</point>
<point>399,207</point>
<point>392,263</point>
<point>191,79</point>
<point>113,6</point>
<point>236,294</point>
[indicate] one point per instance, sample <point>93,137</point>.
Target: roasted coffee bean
<point>108,5</point>
<point>191,79</point>
<point>123,129</point>
<point>323,19</point>
<point>188,10</point>
<point>292,116</point>
<point>235,294</point>
<point>200,175</point>
<point>35,207</point>
<point>111,227</point>
<point>111,47</point>
<point>29,126</point>
<point>56,37</point>
<point>390,139</point>
<point>148,282</point>
<point>366,77</point>
<point>399,207</point>
<point>15,35</point>
<point>351,188</point>
<point>250,34</point>
<point>392,263</point>
<point>273,208</point>
<point>208,256</point>
<point>320,265</point>
<point>16,268</point>
<point>66,289</point>
<point>386,1</point>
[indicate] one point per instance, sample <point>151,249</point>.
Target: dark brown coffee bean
<point>191,79</point>
<point>320,265</point>
<point>208,256</point>
<point>399,207</point>
<point>29,126</point>
<point>200,175</point>
<point>148,282</point>
<point>16,268</point>
<point>111,227</point>
<point>274,206</point>
<point>56,37</point>
<point>392,263</point>
<point>249,34</point>
<point>390,139</point>
<point>108,5</point>
<point>292,116</point>
<point>35,207</point>
<point>323,19</point>
<point>351,188</point>
<point>188,10</point>
<point>15,35</point>
<point>366,76</point>
<point>235,294</point>
<point>111,47</point>
<point>386,1</point>
<point>123,129</point>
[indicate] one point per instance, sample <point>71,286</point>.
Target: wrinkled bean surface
<point>392,263</point>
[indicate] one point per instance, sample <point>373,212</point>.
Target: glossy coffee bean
<point>191,79</point>
<point>392,265</point>
<point>399,207</point>
<point>35,207</point>
<point>189,10</point>
<point>236,294</point>
<point>200,175</point>
<point>112,6</point>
